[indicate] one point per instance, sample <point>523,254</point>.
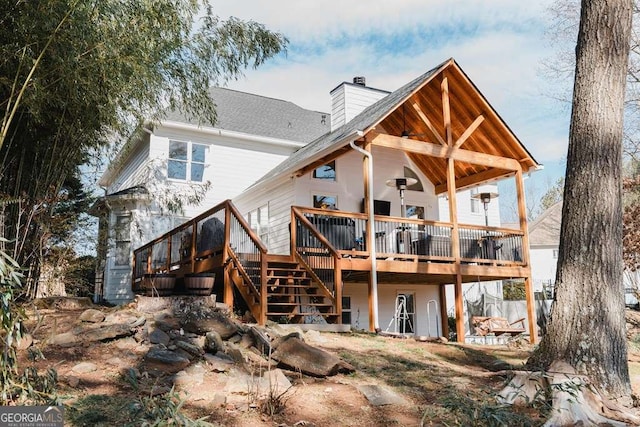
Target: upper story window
<point>323,201</point>
<point>186,161</point>
<point>475,203</point>
<point>122,230</point>
<point>408,173</point>
<point>327,172</point>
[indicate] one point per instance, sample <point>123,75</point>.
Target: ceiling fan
<point>405,133</point>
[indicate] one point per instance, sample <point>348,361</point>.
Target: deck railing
<point>315,251</point>
<point>414,239</point>
<point>219,232</point>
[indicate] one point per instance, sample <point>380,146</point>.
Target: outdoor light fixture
<point>401,184</point>
<point>486,199</point>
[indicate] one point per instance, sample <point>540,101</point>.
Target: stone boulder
<point>296,355</point>
<point>165,360</point>
<point>213,342</point>
<point>92,315</point>
<point>202,321</point>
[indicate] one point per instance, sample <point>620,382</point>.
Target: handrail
<point>300,215</point>
<point>247,228</point>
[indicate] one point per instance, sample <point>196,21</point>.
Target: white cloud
<point>499,44</point>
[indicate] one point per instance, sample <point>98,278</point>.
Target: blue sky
<point>501,45</point>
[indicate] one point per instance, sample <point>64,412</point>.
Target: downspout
<point>372,235</point>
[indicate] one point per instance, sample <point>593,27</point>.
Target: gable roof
<point>397,111</point>
<point>260,115</point>
<point>545,230</point>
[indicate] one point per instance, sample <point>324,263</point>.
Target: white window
<point>475,203</point>
<point>555,254</point>
<point>323,201</point>
<point>415,212</point>
<point>258,220</point>
<point>122,236</point>
<point>326,172</point>
<point>408,173</point>
<point>346,310</point>
<point>186,161</point>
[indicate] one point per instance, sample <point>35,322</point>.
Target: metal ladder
<point>401,315</point>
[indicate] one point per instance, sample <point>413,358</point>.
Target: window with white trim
<point>258,220</point>
<point>122,231</point>
<point>186,161</point>
<point>346,310</point>
<point>323,201</point>
<point>475,203</point>
<point>326,171</point>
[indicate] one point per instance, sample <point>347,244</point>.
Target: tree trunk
<point>587,326</point>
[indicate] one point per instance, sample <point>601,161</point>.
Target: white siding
<point>279,198</point>
<point>349,100</point>
<point>349,187</point>
<point>386,306</point>
<point>543,265</point>
<point>465,216</point>
<point>130,175</point>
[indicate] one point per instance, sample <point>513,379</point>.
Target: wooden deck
<point>328,248</point>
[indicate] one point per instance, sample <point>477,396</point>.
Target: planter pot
<point>158,284</point>
<point>199,283</point>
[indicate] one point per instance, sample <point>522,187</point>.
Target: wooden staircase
<point>294,295</point>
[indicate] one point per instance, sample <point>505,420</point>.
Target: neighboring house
<point>152,185</point>
<point>321,238</point>
<point>544,239</point>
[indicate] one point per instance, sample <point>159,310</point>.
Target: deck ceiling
<point>425,113</point>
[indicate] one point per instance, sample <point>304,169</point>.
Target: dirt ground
<point>440,384</point>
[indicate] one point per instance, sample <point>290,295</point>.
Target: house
<point>544,240</point>
<point>165,174</point>
<point>369,222</point>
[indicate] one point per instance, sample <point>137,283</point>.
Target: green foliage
<point>553,195</point>
<point>162,410</point>
<point>513,291</point>
<point>16,386</point>
<point>79,76</point>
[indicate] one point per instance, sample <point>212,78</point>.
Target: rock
<point>84,368</point>
<point>246,341</point>
<point>218,400</point>
<point>167,324</point>
<point>190,377</point>
<point>107,332</point>
<point>92,315</point>
<point>67,339</point>
<point>444,340</point>
<point>379,396</point>
<point>291,335</point>
<point>73,381</point>
<point>63,303</point>
<point>235,339</point>
<point>299,356</point>
<point>213,342</point>
<point>233,351</point>
<point>190,348</point>
<point>218,363</point>
<point>165,360</point>
<point>115,361</point>
<point>158,336</point>
<point>122,316</point>
<point>24,342</point>
<point>139,322</point>
<point>184,353</point>
<point>127,343</point>
<point>274,383</point>
<point>261,340</point>
<point>203,321</point>
<point>314,336</point>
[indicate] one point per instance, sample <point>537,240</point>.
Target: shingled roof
<point>260,115</point>
<point>545,230</point>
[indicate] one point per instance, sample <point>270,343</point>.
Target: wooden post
<point>194,249</point>
<point>372,320</point>
<point>528,285</point>
<point>337,273</point>
<point>263,290</point>
<point>228,286</point>
<point>444,317</point>
<point>446,111</point>
<point>366,179</point>
<point>459,309</point>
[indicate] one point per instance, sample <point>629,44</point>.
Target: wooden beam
<point>522,213</point>
<point>453,211</point>
<point>372,319</point>
<point>468,181</point>
<point>446,111</point>
<point>427,122</point>
<point>467,133</point>
<point>443,152</point>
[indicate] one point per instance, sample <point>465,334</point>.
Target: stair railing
<point>318,256</point>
